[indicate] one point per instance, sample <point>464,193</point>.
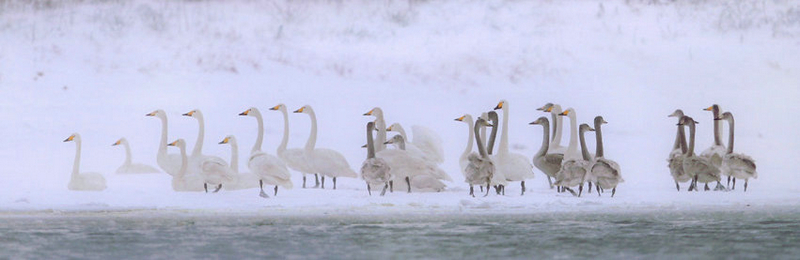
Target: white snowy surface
<point>98,67</point>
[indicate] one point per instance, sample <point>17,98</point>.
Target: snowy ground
<point>97,68</point>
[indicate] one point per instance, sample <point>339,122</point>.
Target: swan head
<point>250,112</point>
<point>228,139</point>
<point>279,107</point>
<point>492,117</point>
<point>598,120</point>
<point>305,110</point>
<point>678,113</point>
<point>585,127</point>
<point>194,113</point>
<point>725,116</point>
<point>158,113</point>
<point>567,112</point>
<point>501,105</point>
<point>686,120</point>
<point>73,137</point>
<point>394,126</point>
<point>180,143</point>
<point>713,108</point>
<point>483,122</point>
<point>540,121</point>
<point>120,141</point>
<point>395,139</point>
<point>377,112</point>
<point>466,118</point>
<point>546,108</point>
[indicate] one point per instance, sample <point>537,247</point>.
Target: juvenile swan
<point>480,168</point>
<point>701,169</point>
<point>86,181</point>
<point>375,171</point>
<point>736,165</point>
<point>573,171</point>
<point>675,159</point>
<point>128,166</point>
<point>548,163</point>
<point>605,173</point>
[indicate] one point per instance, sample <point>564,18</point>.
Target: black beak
<point>66,140</point>
<point>364,146</point>
<point>497,107</point>
<point>242,114</point>
<point>221,142</point>
<point>185,114</point>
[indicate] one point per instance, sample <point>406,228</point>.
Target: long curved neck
<point>469,139</point>
<point>312,137</point>
<point>545,139</point>
<point>481,149</point>
<point>234,156</point>
<point>285,140</point>
<point>690,151</point>
<point>184,162</point>
<point>492,137</point>
<point>401,144</point>
<point>127,153</point>
<point>573,133</point>
<point>162,146</point>
<point>677,144</point>
<point>401,131</point>
<point>730,135</point>
<point>260,137</point>
<point>198,146</point>
<point>682,136</point>
<point>584,150</point>
<point>558,125</point>
<point>370,144</point>
<point>503,148</point>
<point>598,135</point>
<point>76,164</point>
<point>381,138</point>
<point>717,129</point>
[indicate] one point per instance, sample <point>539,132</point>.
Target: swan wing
<point>331,163</point>
<point>429,142</point>
<point>514,166</point>
<point>267,166</point>
<point>739,166</point>
<point>714,154</point>
<point>296,160</point>
<point>375,171</point>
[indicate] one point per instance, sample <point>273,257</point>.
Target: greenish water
<point>767,234</point>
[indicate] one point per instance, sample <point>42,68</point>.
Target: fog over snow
<point>97,68</point>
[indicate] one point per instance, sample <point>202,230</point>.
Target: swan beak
<point>369,113</point>
<point>388,142</point>
<point>605,122</point>
<point>540,109</point>
<point>489,125</point>
<point>190,113</point>
<point>364,146</point>
<point>717,118</point>
<point>534,123</point>
<point>70,138</point>
<point>151,114</point>
<point>117,143</point>
<point>246,112</point>
<point>275,107</point>
<point>389,129</point>
<point>708,108</point>
<point>499,105</point>
<point>460,118</point>
<point>224,141</point>
<point>549,109</point>
<point>564,113</point>
<point>591,129</point>
<point>300,110</point>
<point>173,143</point>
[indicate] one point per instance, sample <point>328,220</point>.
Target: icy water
<point>767,234</point>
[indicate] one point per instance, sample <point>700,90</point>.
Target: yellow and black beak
<point>566,112</point>
<point>246,112</point>
<point>190,113</point>
<point>118,142</point>
<point>151,114</point>
<point>300,110</point>
<point>275,107</point>
<point>369,113</point>
<point>389,129</point>
<point>460,118</point>
<point>499,105</point>
<point>549,109</point>
<point>70,138</point>
<point>173,143</point>
<point>225,141</point>
<point>364,146</point>
<point>708,108</point>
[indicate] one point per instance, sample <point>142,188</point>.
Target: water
<point>766,234</point>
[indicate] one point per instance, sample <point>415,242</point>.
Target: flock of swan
<point>414,164</point>
<point>713,162</point>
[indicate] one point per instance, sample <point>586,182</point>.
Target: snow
<point>98,67</point>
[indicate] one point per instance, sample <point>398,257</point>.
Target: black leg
<point>383,192</point>
<point>488,184</point>
<point>408,181</point>
<point>523,188</point>
<point>261,185</point>
<point>481,187</point>
<point>304,181</point>
<point>550,181</point>
<point>707,188</point>
<point>323,182</point>
<point>276,191</point>
<point>580,190</point>
<point>677,186</point>
<point>368,190</point>
<point>590,187</point>
<point>570,191</point>
<point>316,179</point>
<point>503,189</point>
<point>472,190</point>
<point>613,191</point>
<point>745,185</point>
<point>218,188</point>
<point>391,186</point>
<point>729,180</point>
<point>334,183</point>
<point>734,183</point>
<point>597,187</point>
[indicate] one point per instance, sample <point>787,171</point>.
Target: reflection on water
<point>714,234</point>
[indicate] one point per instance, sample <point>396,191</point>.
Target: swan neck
<point>503,149</point>
<point>584,150</point>
<point>682,136</point>
<point>401,131</point>
<point>479,142</point>
<point>198,145</point>
<point>370,144</point>
<point>260,136</point>
<point>234,156</point>
<point>127,153</point>
<point>312,137</point>
<point>162,146</point>
<point>471,136</point>
<point>690,151</point>
<point>545,139</point>
<point>730,135</point>
<point>381,138</point>
<point>573,134</point>
<point>558,125</point>
<point>76,164</point>
<point>677,144</point>
<point>285,140</point>
<point>717,129</point>
<point>598,135</point>
<point>492,138</point>
<point>184,162</point>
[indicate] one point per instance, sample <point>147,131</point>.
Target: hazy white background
<point>98,67</point>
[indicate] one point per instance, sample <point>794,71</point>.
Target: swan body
<point>375,171</point>
<point>213,169</point>
<point>405,165</point>
<point>182,180</point>
<point>513,166</point>
<point>169,163</point>
<point>736,165</point>
<point>605,173</point>
<point>548,163</point>
<point>701,169</point>
<point>240,181</point>
<point>295,157</point>
<point>83,181</point>
<point>480,168</point>
<point>676,156</point>
<point>128,166</point>
<point>715,153</point>
<point>426,142</point>
<point>555,146</point>
<point>463,160</point>
<point>573,171</point>
<point>380,125</point>
<point>324,161</point>
<point>264,168</point>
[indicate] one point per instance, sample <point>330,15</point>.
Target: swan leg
<point>218,188</point>
<point>472,190</point>
<point>745,185</point>
<point>677,186</point>
<point>550,181</point>
<point>262,194</point>
<point>590,186</point>
<point>734,183</point>
<point>316,178</point>
<point>597,187</point>
<point>481,187</point>
<point>384,189</point>
<point>523,188</point>
<point>408,181</point>
<point>276,191</point>
<point>503,189</point>
<point>580,190</point>
<point>205,187</point>
<point>570,191</point>
<point>304,181</point>
<point>729,180</point>
<point>488,184</point>
<point>368,190</point>
<point>706,188</point>
<point>323,182</point>
<point>719,187</point>
<point>334,183</point>
<point>613,191</point>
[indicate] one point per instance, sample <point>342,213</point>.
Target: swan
<point>214,170</point>
<point>717,150</point>
<point>324,161</point>
<point>480,168</point>
<point>240,181</point>
<point>425,140</point>
<point>380,125</point>
<point>548,163</point>
<point>701,169</point>
<point>182,180</point>
<point>128,166</point>
<point>676,156</point>
<point>409,146</point>
<point>265,168</point>
<point>604,173</point>
<point>375,171</point>
<point>573,171</point>
<point>463,160</point>
<point>84,181</point>
<point>558,126</point>
<point>170,163</point>
<point>406,166</point>
<point>512,166</point>
<point>295,157</point>
<point>736,165</point>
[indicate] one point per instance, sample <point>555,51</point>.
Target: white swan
<point>576,163</point>
<point>425,140</point>
<point>324,161</point>
<point>736,165</point>
<point>84,181</point>
<point>170,163</point>
<point>675,159</point>
<point>380,125</point>
<point>128,166</point>
<point>463,160</point>
<point>213,169</point>
<point>701,169</point>
<point>405,166</point>
<point>294,158</point>
<point>264,168</point>
<point>182,180</point>
<point>374,171</point>
<point>717,150</point>
<point>241,181</point>
<point>480,168</point>
<point>548,163</point>
<point>409,146</point>
<point>605,173</point>
<point>513,166</point>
